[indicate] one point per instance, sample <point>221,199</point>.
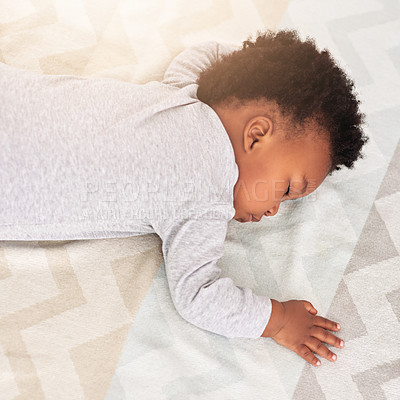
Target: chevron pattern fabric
<point>94,319</point>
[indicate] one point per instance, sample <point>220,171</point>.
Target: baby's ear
<point>259,126</point>
<point>257,129</point>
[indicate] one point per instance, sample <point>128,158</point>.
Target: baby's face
<point>266,172</point>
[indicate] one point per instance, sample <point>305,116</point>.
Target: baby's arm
<point>191,248</point>
<point>185,68</point>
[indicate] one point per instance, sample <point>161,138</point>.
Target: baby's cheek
<point>261,192</point>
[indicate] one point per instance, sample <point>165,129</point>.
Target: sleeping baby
<point>230,133</point>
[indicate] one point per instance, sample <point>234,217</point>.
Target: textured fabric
<point>94,319</point>
<point>126,160</point>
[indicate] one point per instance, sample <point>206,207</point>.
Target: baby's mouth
<point>249,219</point>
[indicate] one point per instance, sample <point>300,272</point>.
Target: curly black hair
<point>305,83</point>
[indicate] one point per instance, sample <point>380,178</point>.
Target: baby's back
<point>96,154</point>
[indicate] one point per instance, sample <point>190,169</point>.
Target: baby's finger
<point>324,336</point>
<point>317,347</point>
<point>309,307</point>
<point>304,352</point>
<point>326,323</point>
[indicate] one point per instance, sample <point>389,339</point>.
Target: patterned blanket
<point>94,319</point>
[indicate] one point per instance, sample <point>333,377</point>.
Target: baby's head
<point>291,115</point>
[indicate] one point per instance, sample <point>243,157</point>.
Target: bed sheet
<point>94,319</point>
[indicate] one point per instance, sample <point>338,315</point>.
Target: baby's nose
<point>272,211</point>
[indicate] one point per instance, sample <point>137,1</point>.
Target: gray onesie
<point>90,158</point>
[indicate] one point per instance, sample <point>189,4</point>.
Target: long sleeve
<point>193,243</point>
<point>185,68</point>
<point>191,249</point>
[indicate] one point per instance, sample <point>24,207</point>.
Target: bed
<point>93,319</point>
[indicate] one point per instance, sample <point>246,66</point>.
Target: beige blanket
<point>94,320</point>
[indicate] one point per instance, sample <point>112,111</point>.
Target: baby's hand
<point>294,324</point>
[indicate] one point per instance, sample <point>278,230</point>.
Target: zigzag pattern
<point>67,306</point>
<point>94,319</point>
<point>367,298</point>
<point>61,335</point>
